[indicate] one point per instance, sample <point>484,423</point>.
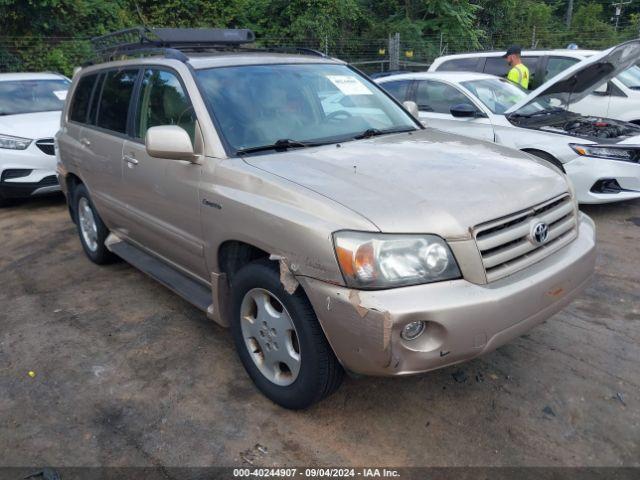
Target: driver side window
<point>163,101</point>
<point>438,97</point>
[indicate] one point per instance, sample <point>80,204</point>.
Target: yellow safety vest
<point>519,75</point>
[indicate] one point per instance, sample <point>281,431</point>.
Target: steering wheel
<point>339,113</point>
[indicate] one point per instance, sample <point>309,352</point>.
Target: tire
<point>94,246</point>
<point>318,373</point>
<point>548,158</point>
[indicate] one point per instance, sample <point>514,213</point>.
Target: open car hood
<point>580,80</point>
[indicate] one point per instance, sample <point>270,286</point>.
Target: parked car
<point>30,105</point>
<point>325,240</point>
<point>619,98</point>
<point>599,155</point>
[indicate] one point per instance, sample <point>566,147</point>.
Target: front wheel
<point>279,339</point>
<point>91,228</point>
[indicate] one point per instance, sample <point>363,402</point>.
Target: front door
<point>162,194</point>
<point>435,100</point>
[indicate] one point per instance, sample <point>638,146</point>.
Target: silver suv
<point>293,200</point>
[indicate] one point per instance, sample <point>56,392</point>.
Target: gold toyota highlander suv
<point>291,199</point>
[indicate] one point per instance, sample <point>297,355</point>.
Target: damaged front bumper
<point>464,319</point>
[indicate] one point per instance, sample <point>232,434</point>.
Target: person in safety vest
<point>519,73</point>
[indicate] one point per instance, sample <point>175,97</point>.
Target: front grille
<point>11,173</point>
<point>47,146</point>
<point>506,245</point>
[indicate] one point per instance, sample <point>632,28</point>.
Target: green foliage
<point>53,34</point>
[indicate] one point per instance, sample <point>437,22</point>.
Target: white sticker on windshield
<point>349,85</point>
<point>61,94</point>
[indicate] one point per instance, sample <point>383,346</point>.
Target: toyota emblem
<point>539,233</point>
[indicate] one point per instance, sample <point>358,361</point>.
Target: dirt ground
<point>128,374</point>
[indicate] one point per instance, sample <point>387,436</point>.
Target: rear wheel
<point>279,339</point>
<point>91,228</point>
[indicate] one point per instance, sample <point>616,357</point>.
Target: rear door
<point>435,99</point>
<point>103,140</point>
<point>162,195</point>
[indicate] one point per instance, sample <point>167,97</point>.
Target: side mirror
<point>464,110</point>
<point>170,142</point>
<point>412,107</point>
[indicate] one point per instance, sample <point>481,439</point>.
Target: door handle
<point>85,141</point>
<point>130,160</point>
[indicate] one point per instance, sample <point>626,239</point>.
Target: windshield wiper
<point>374,132</point>
<point>279,146</point>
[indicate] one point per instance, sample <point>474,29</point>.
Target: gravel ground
<point>128,374</point>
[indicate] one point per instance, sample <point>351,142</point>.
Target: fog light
<point>412,330</point>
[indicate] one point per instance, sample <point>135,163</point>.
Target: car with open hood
<point>30,106</point>
<point>296,202</point>
<point>619,98</point>
<point>600,155</point>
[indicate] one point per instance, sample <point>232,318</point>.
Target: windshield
<point>497,94</point>
<point>30,96</point>
<point>259,105</point>
<point>631,77</point>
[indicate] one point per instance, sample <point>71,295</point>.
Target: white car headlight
<point>603,151</point>
<point>377,260</point>
<point>14,143</point>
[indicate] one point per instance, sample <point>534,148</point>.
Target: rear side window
<point>471,64</point>
<point>555,65</point>
<point>163,101</point>
<point>397,89</point>
<point>532,65</point>
<point>438,97</point>
<point>81,99</point>
<point>115,99</point>
<point>496,66</point>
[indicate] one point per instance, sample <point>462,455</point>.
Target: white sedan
<point>30,106</point>
<point>601,156</point>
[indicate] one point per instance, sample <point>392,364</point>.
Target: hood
<point>31,125</point>
<point>425,182</point>
<point>583,78</point>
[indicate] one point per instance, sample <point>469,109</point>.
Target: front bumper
<point>41,178</point>
<point>584,172</point>
<point>464,319</point>
<point>46,186</point>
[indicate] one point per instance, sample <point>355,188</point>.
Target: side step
<point>189,289</point>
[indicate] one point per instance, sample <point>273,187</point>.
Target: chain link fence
<point>62,54</point>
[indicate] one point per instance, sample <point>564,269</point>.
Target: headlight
<point>14,143</point>
<point>610,152</point>
<point>375,260</point>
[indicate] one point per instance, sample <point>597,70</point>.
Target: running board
<point>192,291</point>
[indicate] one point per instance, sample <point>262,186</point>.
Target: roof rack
<point>144,39</point>
<point>172,42</point>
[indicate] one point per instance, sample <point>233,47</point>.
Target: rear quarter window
<point>114,104</point>
<point>470,64</point>
<point>81,99</point>
<point>397,89</point>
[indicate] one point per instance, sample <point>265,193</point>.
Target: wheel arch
<point>545,156</point>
